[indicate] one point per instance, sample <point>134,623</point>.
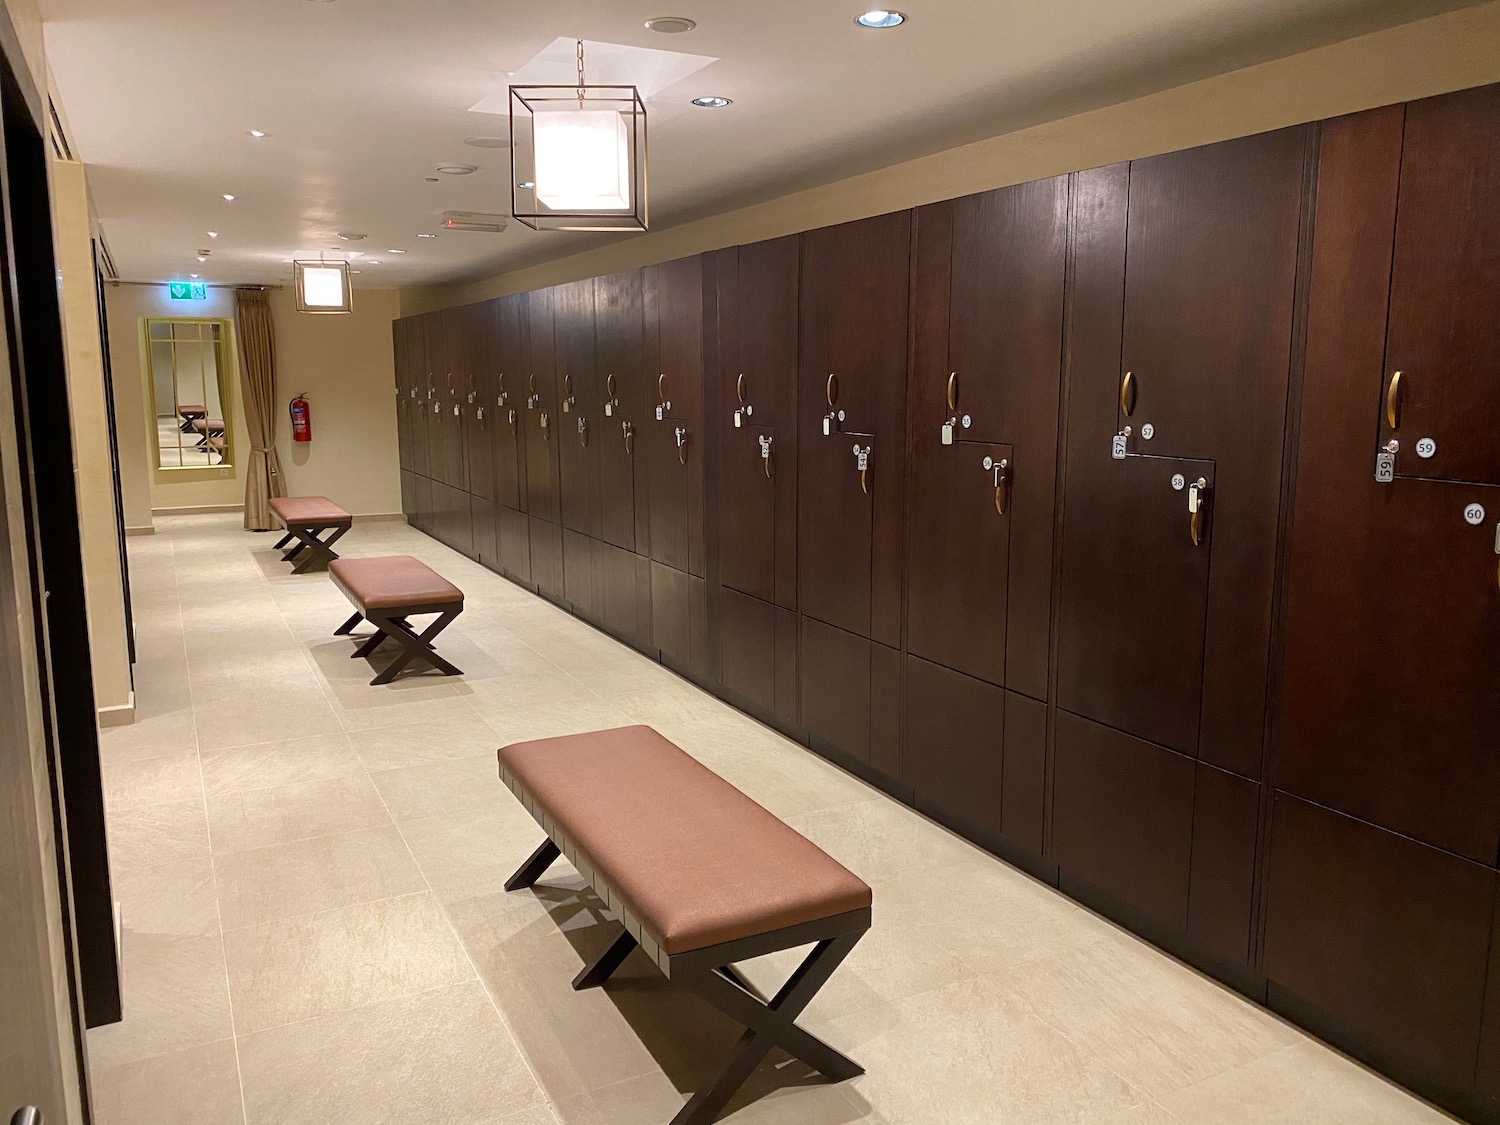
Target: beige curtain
<point>257,338</point>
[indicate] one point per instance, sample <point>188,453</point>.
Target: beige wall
<point>1432,56</point>
<point>93,466</point>
<point>343,364</point>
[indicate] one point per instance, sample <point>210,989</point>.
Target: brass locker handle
<point>1393,402</point>
<point>609,385</point>
<point>583,432</point>
<point>832,390</point>
<point>767,460</point>
<point>661,386</point>
<point>1198,493</point>
<point>739,387</point>
<point>629,432</point>
<point>682,444</point>
<point>1127,394</point>
<point>864,481</point>
<point>1002,485</point>
<point>953,392</point>
<point>531,382</point>
<point>567,386</point>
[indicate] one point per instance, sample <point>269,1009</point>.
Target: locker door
<point>1389,708</point>
<point>749,463</point>
<point>622,408</point>
<point>403,398</point>
<point>421,397</point>
<point>437,397</point>
<point>958,555</point>
<point>1135,597</point>
<point>540,416</point>
<point>479,405</point>
<point>675,431</point>
<point>1444,334</point>
<point>578,401</point>
<point>852,391</point>
<point>510,403</point>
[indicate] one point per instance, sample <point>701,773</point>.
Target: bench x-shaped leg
<point>414,645</point>
<point>766,1026</point>
<point>320,550</point>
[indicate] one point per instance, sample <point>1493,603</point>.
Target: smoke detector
<point>456,169</point>
<point>474,221</point>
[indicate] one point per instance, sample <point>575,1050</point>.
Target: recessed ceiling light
<point>201,258</point>
<point>457,169</point>
<point>213,234</point>
<point>257,133</point>
<point>487,142</point>
<point>426,236</point>
<point>395,251</point>
<point>195,275</point>
<point>351,236</point>
<point>671,25</point>
<point>432,179</point>
<point>712,102</point>
<point>880,18</point>
<point>228,198</point>
<point>372,261</point>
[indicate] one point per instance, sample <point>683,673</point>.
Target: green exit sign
<point>189,290</point>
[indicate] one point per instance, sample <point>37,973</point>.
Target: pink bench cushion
<point>392,582</point>
<point>694,860</point>
<point>316,510</point>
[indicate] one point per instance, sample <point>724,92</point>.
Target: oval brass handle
<point>583,432</point>
<point>1002,484</point>
<point>531,382</point>
<point>609,385</point>
<point>629,439</point>
<point>1127,394</point>
<point>501,387</point>
<point>864,481</point>
<point>661,386</point>
<point>833,390</point>
<point>567,386</point>
<point>682,450</point>
<point>767,461</point>
<point>739,386</point>
<point>952,392</point>
<point>1393,402</point>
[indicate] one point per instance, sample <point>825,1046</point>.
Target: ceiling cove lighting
<point>583,150</point>
<point>879,18</point>
<point>323,287</point>
<point>712,102</point>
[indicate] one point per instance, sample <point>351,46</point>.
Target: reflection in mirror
<point>190,392</point>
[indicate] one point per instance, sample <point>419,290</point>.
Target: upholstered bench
<point>315,523</point>
<point>386,592</point>
<point>700,876</point>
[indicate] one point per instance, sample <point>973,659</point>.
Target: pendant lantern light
<point>323,287</point>
<point>578,156</point>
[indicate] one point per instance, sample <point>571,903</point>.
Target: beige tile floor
<point>314,929</point>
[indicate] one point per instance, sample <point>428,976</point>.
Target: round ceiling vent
<point>487,142</point>
<point>671,25</point>
<point>456,169</point>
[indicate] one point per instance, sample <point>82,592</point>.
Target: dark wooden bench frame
<point>310,538</point>
<point>393,625</point>
<point>709,973</point>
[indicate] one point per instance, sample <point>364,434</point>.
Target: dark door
<point>479,403</point>
<point>853,360</point>
<point>1389,705</point>
<point>621,413</point>
<point>510,402</point>
<point>988,357</point>
<point>758,338</point>
<point>540,416</point>
<point>675,439</point>
<point>954,755</point>
<point>1135,593</point>
<point>441,422</point>
<point>578,404</point>
<point>421,395</point>
<point>401,356</point>
<point>1444,333</point>
<point>958,555</point>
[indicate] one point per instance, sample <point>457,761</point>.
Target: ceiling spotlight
<point>195,275</point>
<point>671,25</point>
<point>228,198</point>
<point>426,236</point>
<point>372,261</point>
<point>213,234</point>
<point>351,236</point>
<point>257,133</point>
<point>487,142</point>
<point>202,258</point>
<point>395,251</point>
<point>432,179</point>
<point>880,18</point>
<point>526,185</point>
<point>457,169</point>
<point>712,102</point>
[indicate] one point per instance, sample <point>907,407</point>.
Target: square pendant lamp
<point>578,156</point>
<point>323,287</point>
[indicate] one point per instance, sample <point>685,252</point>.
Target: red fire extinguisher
<point>301,418</point>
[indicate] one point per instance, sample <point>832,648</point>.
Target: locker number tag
<point>968,421</point>
<point>1474,513</point>
<point>609,410</point>
<point>660,413</point>
<point>1385,468</point>
<point>1179,482</point>
<point>1426,448</point>
<point>1117,447</point>
<point>1148,431</point>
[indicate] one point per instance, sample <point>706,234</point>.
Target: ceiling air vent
<point>473,220</point>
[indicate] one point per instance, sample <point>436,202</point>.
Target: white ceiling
<point>362,98</point>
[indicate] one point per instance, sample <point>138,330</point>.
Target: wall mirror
<point>190,392</point>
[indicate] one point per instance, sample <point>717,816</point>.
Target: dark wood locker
<point>402,363</point>
<point>1023,792</point>
<point>1221,890</point>
<point>835,688</point>
<point>540,415</point>
<point>954,755</point>
<point>578,572</point>
<point>509,403</point>
<point>1388,701</point>
<point>409,496</point>
<point>758,655</point>
<point>421,397</point>
<point>460,522</point>
<point>513,535</point>
<point>1385,936</point>
<point>423,518</point>
<point>578,422</point>
<point>1444,337</point>
<point>445,425</point>
<point>545,541</point>
<point>758,340</point>
<point>988,365</point>
<point>484,541</point>
<point>622,413</point>
<point>623,586</point>
<point>679,618</point>
<point>674,432</point>
<point>852,393</point>
<point>480,416</point>
<point>958,552</point>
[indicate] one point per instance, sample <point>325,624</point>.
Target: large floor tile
<point>439,1056</point>
<point>294,761</point>
<point>258,818</point>
<point>193,1086</point>
<point>175,995</point>
<point>458,733</point>
<point>286,971</point>
<point>442,787</point>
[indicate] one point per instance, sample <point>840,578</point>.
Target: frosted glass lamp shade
<point>582,160</point>
<point>323,287</point>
